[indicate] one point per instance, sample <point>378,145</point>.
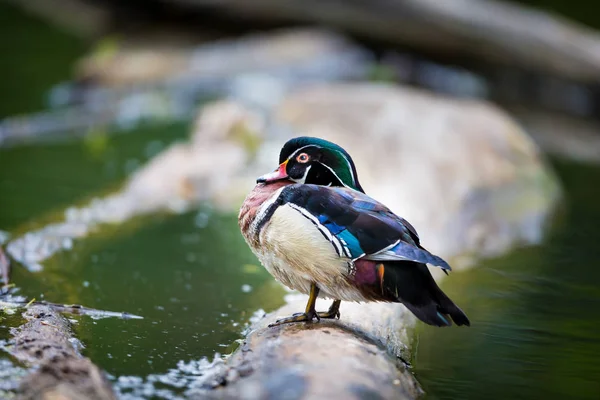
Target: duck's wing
<point>357,225</point>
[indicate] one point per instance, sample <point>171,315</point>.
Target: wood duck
<point>315,230</point>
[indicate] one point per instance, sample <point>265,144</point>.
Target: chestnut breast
<point>257,196</point>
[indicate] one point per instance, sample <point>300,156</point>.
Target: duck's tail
<point>411,284</point>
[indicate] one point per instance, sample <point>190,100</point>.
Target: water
<point>35,56</point>
<point>535,312</point>
<point>40,181</point>
<point>195,288</point>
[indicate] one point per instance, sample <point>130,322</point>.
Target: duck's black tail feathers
<point>411,284</point>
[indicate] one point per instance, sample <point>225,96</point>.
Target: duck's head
<point>317,161</point>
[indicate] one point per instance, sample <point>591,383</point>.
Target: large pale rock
<point>211,167</point>
<point>463,172</point>
<point>123,85</point>
<point>290,52</point>
<point>82,18</point>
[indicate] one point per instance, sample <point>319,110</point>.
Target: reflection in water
<point>535,312</point>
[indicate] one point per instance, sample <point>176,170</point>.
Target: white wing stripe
<point>408,252</point>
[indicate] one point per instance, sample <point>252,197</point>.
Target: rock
<point>463,172</point>
<point>123,86</point>
<point>4,268</point>
<point>4,236</point>
<point>212,167</point>
<point>288,53</point>
<point>46,341</point>
<point>82,18</point>
<point>496,31</point>
<point>132,66</point>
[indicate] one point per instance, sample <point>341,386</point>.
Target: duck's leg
<point>309,313</point>
<point>333,312</point>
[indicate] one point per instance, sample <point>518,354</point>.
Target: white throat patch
<point>303,179</point>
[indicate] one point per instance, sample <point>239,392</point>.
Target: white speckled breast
<point>292,249</point>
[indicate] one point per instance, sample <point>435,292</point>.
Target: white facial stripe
<point>293,155</point>
<point>349,168</point>
<point>334,174</point>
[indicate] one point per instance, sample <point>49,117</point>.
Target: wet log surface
<point>360,356</point>
<point>47,342</point>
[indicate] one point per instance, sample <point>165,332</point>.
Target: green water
<point>535,312</point>
<point>33,57</point>
<point>39,181</point>
<point>190,276</point>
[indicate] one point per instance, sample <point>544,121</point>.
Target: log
<point>360,356</point>
<point>46,341</point>
<point>498,32</point>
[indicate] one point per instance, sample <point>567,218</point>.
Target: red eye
<point>302,158</point>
